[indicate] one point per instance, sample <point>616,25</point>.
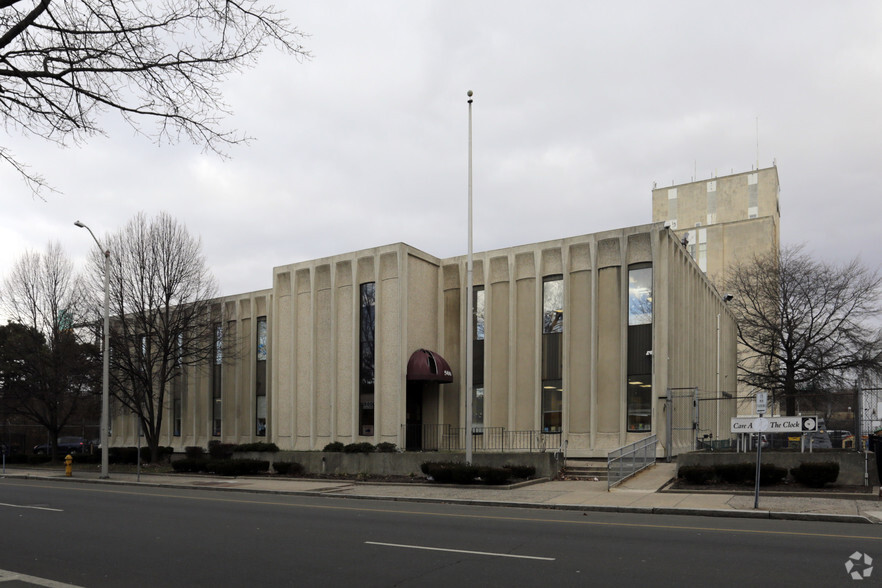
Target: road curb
<point>585,508</point>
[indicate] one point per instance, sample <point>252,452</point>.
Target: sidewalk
<point>639,494</point>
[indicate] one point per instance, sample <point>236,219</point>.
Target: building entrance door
<point>414,417</point>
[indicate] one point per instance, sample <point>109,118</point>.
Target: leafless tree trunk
<point>57,371</point>
<point>805,323</point>
<point>64,62</point>
<point>161,295</point>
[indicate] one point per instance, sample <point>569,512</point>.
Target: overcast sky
<point>579,107</point>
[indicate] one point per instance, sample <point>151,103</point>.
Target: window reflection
<point>552,353</point>
<point>640,296</point>
<point>639,395</point>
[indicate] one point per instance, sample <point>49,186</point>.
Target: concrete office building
<point>724,219</point>
<point>576,342</point>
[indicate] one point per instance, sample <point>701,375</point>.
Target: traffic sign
<point>793,424</point>
<point>761,402</point>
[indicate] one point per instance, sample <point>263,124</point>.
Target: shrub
<point>386,447</point>
<point>17,458</point>
<point>38,459</point>
<point>696,474</point>
<point>770,474</point>
<point>441,472</point>
<point>125,455</point>
<point>521,472</point>
<point>237,467</point>
<point>736,473</point>
<point>461,473</point>
<point>816,475</point>
<point>218,450</point>
<point>335,447</point>
<point>464,474</point>
<point>288,468</point>
<point>194,452</point>
<point>494,476</point>
<point>87,458</point>
<point>363,447</point>
<point>260,446</point>
<point>190,465</point>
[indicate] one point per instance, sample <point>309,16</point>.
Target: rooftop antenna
<point>757,143</point>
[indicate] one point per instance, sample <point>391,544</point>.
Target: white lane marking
<point>7,576</point>
<point>31,507</point>
<point>459,551</point>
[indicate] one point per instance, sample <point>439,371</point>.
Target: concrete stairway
<point>585,469</point>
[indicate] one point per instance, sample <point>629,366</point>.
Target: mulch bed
<point>789,487</point>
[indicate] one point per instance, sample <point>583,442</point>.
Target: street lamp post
<point>469,316</point>
<point>105,377</point>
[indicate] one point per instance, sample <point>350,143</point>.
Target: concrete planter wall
<point>851,463</point>
<point>402,464</point>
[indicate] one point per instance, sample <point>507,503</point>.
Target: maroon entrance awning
<point>428,366</point>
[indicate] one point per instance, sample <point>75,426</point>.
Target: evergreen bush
<point>770,474</point>
<point>736,473</point>
<point>194,452</point>
<point>335,447</point>
<point>696,474</point>
<point>521,472</point>
<point>363,447</point>
<point>386,447</point>
<point>260,447</point>
<point>816,475</point>
<point>190,465</point>
<point>237,467</point>
<point>493,476</point>
<point>288,468</point>
<point>218,450</point>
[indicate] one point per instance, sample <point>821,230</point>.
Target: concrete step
<point>585,473</point>
<point>585,469</point>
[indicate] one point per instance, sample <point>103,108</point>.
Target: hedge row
<point>461,473</point>
<point>364,447</point>
<point>288,468</point>
<point>810,474</point>
<point>18,458</point>
<point>259,447</point>
<point>118,455</point>
<point>816,475</point>
<point>222,467</point>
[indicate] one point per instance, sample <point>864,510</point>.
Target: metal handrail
<point>624,462</point>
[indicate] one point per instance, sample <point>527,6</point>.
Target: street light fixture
<point>105,378</point>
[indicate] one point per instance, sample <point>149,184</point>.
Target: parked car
<point>764,439</point>
<point>837,437</point>
<point>65,445</point>
<point>819,440</point>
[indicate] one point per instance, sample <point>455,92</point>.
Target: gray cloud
<point>579,108</point>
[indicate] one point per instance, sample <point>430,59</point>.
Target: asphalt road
<point>95,535</point>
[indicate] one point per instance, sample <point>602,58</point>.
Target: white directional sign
<point>796,424</point>
<point>761,402</point>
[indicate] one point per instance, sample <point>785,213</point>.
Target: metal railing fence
<point>428,437</point>
<point>624,462</point>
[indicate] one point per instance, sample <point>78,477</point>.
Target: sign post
<point>762,424</point>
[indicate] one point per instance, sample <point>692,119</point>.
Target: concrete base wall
<point>547,465</point>
<point>851,463</point>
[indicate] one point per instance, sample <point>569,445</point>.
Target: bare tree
<point>803,323</point>
<point>64,62</point>
<point>161,295</point>
<point>48,373</point>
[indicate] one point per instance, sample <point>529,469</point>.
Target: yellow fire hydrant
<point>68,465</point>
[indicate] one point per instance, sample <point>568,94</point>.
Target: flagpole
<point>469,306</point>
